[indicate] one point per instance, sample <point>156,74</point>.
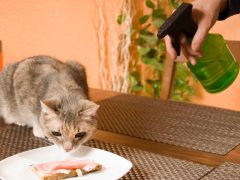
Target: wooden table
<point>162,148</point>
<point>200,157</point>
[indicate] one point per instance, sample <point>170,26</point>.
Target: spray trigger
<point>180,22</point>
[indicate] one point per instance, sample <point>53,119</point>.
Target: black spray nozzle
<point>179,22</point>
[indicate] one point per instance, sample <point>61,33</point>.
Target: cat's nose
<point>67,146</point>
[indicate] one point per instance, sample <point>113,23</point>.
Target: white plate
<point>17,167</point>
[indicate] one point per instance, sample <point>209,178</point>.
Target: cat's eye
<point>80,135</point>
<point>58,107</point>
<point>55,133</point>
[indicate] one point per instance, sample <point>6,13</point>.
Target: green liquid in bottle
<point>218,68</point>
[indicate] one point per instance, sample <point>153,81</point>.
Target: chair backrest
<point>234,46</point>
<point>169,71</point>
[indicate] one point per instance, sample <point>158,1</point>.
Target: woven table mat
<point>196,127</point>
<point>145,165</point>
<point>228,171</point>
<point>16,139</point>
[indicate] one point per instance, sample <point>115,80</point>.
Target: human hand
<point>205,13</point>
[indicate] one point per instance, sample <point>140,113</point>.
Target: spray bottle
<point>218,68</point>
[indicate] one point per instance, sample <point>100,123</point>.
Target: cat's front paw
<point>20,123</point>
<point>38,132</point>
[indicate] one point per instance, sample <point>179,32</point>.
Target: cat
<point>50,96</point>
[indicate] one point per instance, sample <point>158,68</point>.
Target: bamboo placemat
<point>145,165</point>
<point>228,171</point>
<point>197,127</point>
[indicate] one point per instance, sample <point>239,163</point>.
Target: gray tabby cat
<point>50,96</point>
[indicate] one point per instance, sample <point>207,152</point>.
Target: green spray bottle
<point>218,68</point>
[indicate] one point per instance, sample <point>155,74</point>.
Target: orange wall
<point>66,29</point>
<point>229,28</point>
<point>61,28</point>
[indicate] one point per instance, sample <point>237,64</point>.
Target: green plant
<point>151,53</point>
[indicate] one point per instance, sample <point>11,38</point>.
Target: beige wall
<point>66,29</point>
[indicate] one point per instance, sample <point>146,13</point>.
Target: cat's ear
<point>48,106</point>
<point>89,109</point>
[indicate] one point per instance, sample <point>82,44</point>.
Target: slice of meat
<point>63,166</point>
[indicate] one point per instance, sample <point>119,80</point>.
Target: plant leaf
<point>143,51</point>
<point>137,88</point>
<point>157,66</point>
<point>150,4</point>
<point>158,13</point>
<point>133,30</point>
<point>152,40</point>
<point>144,19</point>
<point>145,32</point>
<point>157,23</point>
<point>191,90</point>
<point>135,75</point>
<point>175,3</point>
<point>141,41</point>
<point>156,87</point>
<point>147,60</point>
<point>121,18</point>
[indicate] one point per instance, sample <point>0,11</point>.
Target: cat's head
<point>68,122</point>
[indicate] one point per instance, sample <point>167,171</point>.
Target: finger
<point>170,49</point>
<point>192,60</point>
<point>189,58</point>
<point>199,38</point>
<point>187,47</point>
<point>187,51</point>
<point>204,25</point>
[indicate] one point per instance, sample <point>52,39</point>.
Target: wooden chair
<point>168,75</point>
<point>234,46</point>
